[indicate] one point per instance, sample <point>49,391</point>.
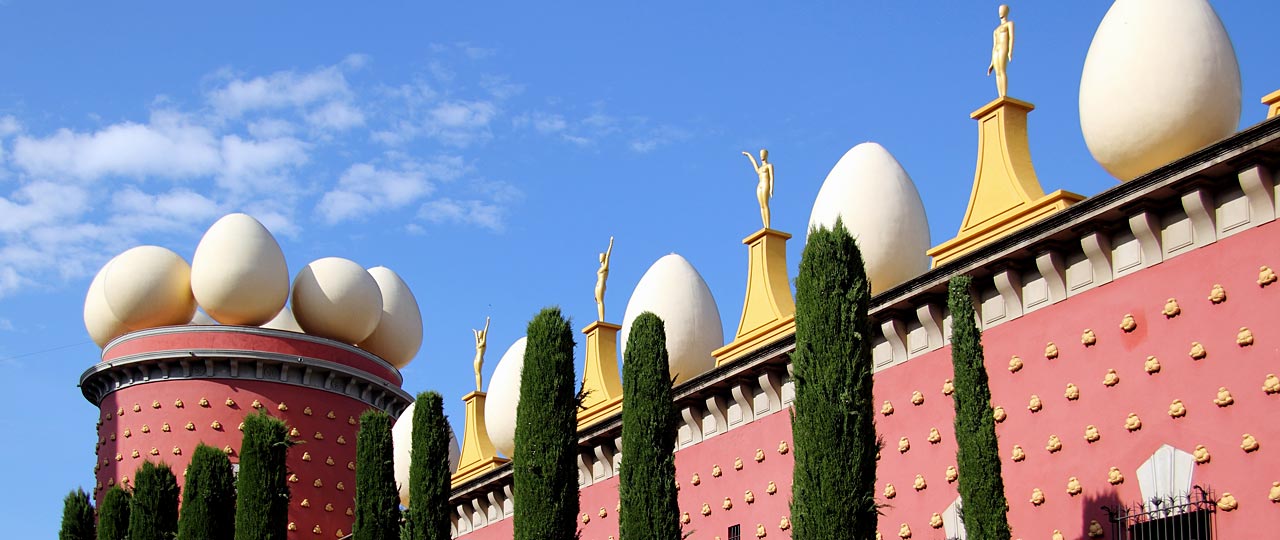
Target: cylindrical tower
<point>162,391</point>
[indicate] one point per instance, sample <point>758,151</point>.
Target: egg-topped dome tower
<point>171,377</point>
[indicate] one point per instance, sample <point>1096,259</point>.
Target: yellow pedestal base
<point>1006,193</point>
<point>1272,101</point>
<point>768,311</point>
<point>600,381</point>
<point>478,455</point>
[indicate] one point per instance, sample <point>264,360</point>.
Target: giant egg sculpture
<point>674,291</point>
<point>238,273</point>
<point>881,208</point>
<point>149,286</point>
<point>402,443</point>
<point>102,324</point>
<point>337,299</point>
<point>1160,81</point>
<point>503,396</point>
<point>398,335</point>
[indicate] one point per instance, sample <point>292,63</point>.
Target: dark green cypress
<point>262,488</point>
<point>377,498</point>
<point>647,489</point>
<point>978,453</point>
<point>77,517</point>
<point>153,512</point>
<point>544,471</point>
<point>113,515</point>
<point>429,479</point>
<point>208,497</point>
<point>833,422</point>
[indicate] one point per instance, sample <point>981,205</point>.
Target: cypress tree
<point>208,497</point>
<point>647,489</point>
<point>544,472</point>
<point>833,422</point>
<point>77,517</point>
<point>153,512</point>
<point>978,453</point>
<point>113,514</point>
<point>377,498</point>
<point>262,489</point>
<point>429,479</point>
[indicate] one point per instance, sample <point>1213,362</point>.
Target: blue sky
<point>485,152</point>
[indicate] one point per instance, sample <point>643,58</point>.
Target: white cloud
<point>461,122</point>
<point>270,128</point>
<point>41,203</point>
<point>336,115</point>
<point>466,212</point>
<point>280,89</point>
<point>6,325</point>
<point>9,125</point>
<point>365,189</point>
<point>258,165</point>
<point>176,207</point>
<point>169,146</point>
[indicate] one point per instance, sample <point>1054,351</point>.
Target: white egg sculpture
<point>1160,81</point>
<point>149,286</point>
<point>102,324</point>
<point>238,273</point>
<point>399,333</point>
<point>503,396</point>
<point>202,319</point>
<point>402,443</point>
<point>881,208</point>
<point>674,291</point>
<point>336,298</point>
<point>284,321</point>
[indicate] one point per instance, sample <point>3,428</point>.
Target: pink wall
<point>1232,262</point>
<point>216,391</point>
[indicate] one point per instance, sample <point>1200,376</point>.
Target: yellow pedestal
<point>769,310</point>
<point>1006,193</point>
<point>478,455</point>
<point>1272,101</point>
<point>600,381</point>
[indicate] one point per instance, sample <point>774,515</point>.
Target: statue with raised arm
<point>764,188</point>
<point>1002,51</point>
<point>482,342</point>
<point>602,274</point>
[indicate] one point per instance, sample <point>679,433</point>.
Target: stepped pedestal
<point>769,310</point>
<point>600,382</point>
<point>478,455</point>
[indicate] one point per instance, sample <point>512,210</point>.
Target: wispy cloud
<point>466,212</point>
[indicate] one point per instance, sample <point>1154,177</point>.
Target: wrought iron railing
<point>1189,516</point>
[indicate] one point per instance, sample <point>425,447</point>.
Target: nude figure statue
<point>1002,51</point>
<point>602,274</point>
<point>764,188</point>
<point>482,342</point>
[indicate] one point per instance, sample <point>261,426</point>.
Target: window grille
<point>735,532</point>
<point>1190,516</point>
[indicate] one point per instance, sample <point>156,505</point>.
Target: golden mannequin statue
<point>1002,51</point>
<point>601,275</point>
<point>764,189</point>
<point>482,342</point>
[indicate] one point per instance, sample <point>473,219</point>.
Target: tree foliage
<point>429,480</point>
<point>113,515</point>
<point>262,489</point>
<point>77,517</point>
<point>647,489</point>
<point>544,472</point>
<point>978,453</point>
<point>153,511</point>
<point>833,422</point>
<point>377,499</point>
<point>208,497</point>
